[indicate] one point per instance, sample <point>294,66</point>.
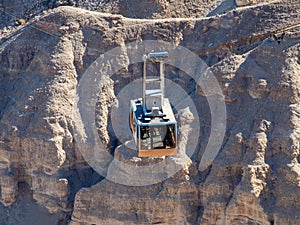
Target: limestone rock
<point>250,2</point>
<point>159,203</point>
<point>9,188</point>
<point>255,176</point>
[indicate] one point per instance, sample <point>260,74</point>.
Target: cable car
<point>151,118</point>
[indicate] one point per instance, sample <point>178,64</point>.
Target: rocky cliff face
<point>254,54</point>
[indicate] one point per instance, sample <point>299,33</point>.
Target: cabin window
<point>157,137</point>
<point>133,126</point>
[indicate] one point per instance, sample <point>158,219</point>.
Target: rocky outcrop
<point>250,2</point>
<point>158,9</point>
<point>171,202</point>
<point>253,152</point>
<point>255,177</point>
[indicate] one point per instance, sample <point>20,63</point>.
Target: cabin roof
<point>164,117</point>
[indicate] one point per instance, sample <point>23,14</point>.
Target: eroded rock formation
<point>255,177</point>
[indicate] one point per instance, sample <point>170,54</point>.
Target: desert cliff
<point>251,48</point>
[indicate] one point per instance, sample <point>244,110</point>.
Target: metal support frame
<point>144,81</point>
<point>162,81</point>
<point>154,57</point>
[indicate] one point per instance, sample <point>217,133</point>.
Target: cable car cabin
<point>151,118</point>
<point>154,132</point>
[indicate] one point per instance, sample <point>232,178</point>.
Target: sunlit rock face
<point>255,176</point>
